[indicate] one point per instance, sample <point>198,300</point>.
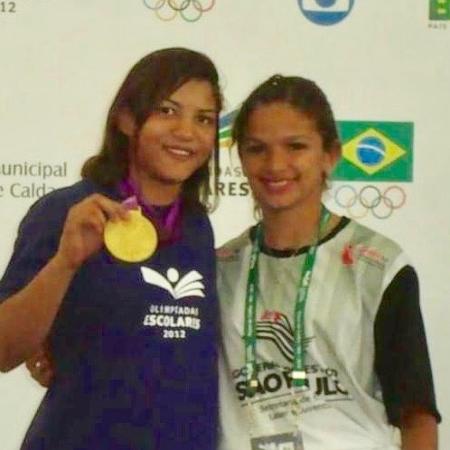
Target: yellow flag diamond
<point>372,151</point>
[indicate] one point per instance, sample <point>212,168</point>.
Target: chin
<point>276,206</point>
<point>276,203</point>
<point>174,178</point>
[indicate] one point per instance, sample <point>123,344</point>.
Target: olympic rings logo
<point>381,203</point>
<point>189,10</point>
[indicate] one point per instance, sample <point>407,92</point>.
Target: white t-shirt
<point>344,407</point>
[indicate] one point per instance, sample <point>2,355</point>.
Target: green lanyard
<point>298,370</point>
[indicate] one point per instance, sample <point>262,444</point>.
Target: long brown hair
<point>151,80</point>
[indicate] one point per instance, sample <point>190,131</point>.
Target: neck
<point>293,229</point>
<point>154,191</point>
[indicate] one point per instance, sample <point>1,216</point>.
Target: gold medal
<point>131,240</point>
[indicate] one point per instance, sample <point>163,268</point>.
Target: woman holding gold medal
<point>323,340</point>
<point>116,275</point>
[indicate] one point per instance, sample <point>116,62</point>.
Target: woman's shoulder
<point>55,204</point>
<point>231,249</point>
<point>365,234</point>
<point>365,243</point>
<point>196,221</point>
<point>68,194</point>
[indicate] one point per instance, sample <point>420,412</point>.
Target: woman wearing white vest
<point>323,341</point>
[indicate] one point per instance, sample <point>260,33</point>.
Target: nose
<point>276,160</point>
<point>184,128</point>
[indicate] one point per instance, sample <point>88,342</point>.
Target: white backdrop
<point>386,61</point>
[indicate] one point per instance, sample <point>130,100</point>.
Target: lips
<point>275,185</point>
<point>179,152</point>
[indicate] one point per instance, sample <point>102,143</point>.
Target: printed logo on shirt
<point>190,285</point>
<point>274,399</point>
<point>351,253</point>
<point>348,258</point>
<point>274,326</point>
<point>174,321</point>
<point>275,379</point>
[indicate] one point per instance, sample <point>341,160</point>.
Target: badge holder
<point>288,437</point>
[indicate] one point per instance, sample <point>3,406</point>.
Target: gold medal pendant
<point>132,240</point>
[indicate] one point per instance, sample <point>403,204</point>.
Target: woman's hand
<point>40,366</point>
<point>41,298</point>
<point>82,235</point>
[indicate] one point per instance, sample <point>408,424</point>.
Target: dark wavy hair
<point>300,93</point>
<point>151,80</point>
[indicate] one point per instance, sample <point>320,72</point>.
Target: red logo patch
<point>271,316</point>
<point>350,253</point>
<point>347,255</point>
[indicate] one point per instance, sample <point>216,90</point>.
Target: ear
<point>126,122</point>
<point>333,155</point>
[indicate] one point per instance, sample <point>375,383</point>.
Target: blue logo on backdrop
<point>326,12</point>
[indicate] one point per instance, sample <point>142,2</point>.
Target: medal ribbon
<point>166,219</point>
<point>298,370</point>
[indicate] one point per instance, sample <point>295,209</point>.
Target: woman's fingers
<point>40,367</point>
<point>98,210</point>
<point>111,209</point>
<point>84,227</point>
<point>44,376</point>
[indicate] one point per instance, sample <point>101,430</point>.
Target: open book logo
<point>190,285</point>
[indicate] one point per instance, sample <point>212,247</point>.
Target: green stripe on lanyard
<point>298,370</point>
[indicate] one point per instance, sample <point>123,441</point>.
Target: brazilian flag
<point>375,151</point>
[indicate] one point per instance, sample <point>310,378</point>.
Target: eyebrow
<point>286,138</point>
<point>247,139</point>
<point>204,110</point>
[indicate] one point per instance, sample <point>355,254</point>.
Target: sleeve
<point>402,360</point>
<point>36,242</point>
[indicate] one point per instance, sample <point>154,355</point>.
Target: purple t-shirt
<point>134,345</point>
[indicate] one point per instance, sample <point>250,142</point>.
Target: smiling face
<point>283,157</point>
<point>175,140</point>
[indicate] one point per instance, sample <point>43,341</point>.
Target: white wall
<point>62,61</point>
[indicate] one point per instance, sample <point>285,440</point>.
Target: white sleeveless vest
<point>343,409</point>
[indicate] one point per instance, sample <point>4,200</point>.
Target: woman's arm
<point>27,316</point>
<point>403,365</point>
<point>419,430</point>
